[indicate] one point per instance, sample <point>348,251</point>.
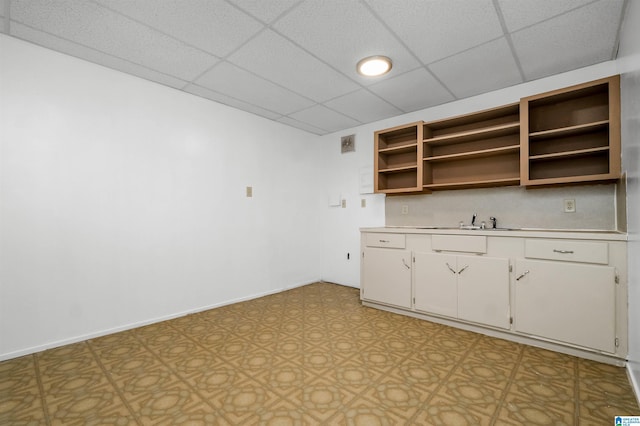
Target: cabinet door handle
<point>463,268</point>
<point>522,275</point>
<point>405,264</point>
<point>451,269</point>
<point>384,241</point>
<point>563,251</point>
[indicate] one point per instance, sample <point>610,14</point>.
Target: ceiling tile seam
<point>366,88</point>
<point>401,41</point>
<point>229,96</point>
<point>324,106</point>
<point>315,102</point>
<point>313,55</point>
<point>159,31</point>
<point>7,17</point>
<point>302,123</point>
<point>554,17</point>
<point>266,24</point>
<point>616,46</point>
<point>98,51</point>
<point>507,37</point>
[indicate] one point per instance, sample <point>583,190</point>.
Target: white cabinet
<point>469,288</point>
<point>569,302</point>
<point>386,276</point>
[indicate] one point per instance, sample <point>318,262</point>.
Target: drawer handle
<point>451,269</point>
<point>384,241</point>
<point>563,251</point>
<point>522,275</point>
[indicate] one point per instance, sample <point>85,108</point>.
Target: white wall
<point>123,201</point>
<point>629,64</point>
<point>341,172</point>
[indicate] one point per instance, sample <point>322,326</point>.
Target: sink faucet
<point>473,219</point>
<point>494,222</point>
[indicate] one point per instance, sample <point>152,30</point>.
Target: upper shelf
<point>474,154</point>
<point>570,131</point>
<point>475,134</point>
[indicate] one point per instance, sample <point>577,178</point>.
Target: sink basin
<point>468,228</point>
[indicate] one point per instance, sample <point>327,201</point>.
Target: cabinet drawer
<point>461,243</point>
<point>571,251</point>
<point>380,239</point>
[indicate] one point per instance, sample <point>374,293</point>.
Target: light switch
<point>344,203</point>
<point>249,191</point>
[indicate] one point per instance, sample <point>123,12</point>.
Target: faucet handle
<point>494,222</point>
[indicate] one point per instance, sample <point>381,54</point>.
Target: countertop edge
<point>531,233</point>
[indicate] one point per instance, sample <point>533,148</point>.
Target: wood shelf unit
<point>473,150</point>
<point>572,134</point>
<point>398,159</point>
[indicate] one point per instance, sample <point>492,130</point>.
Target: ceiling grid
<point>294,61</point>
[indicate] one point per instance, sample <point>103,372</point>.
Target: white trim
<point>633,371</point>
<point>76,339</point>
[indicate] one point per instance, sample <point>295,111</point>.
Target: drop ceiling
<point>295,61</point>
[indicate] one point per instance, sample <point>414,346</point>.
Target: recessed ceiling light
<point>374,66</point>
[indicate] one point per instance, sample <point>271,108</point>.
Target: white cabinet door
<point>569,302</point>
<point>483,290</point>
<point>387,276</point>
<point>471,288</point>
<point>436,288</point>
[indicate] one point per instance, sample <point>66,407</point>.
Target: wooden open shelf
<point>473,150</point>
<point>572,134</point>
<point>398,160</point>
<point>566,136</point>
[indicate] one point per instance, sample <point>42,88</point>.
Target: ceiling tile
<point>363,106</point>
<point>324,118</point>
<point>212,25</point>
<point>479,70</point>
<point>232,81</point>
<point>87,54</point>
<point>98,28</point>
<point>412,91</point>
<point>522,13</point>
<point>302,126</point>
<point>341,33</point>
<point>437,29</point>
<point>576,39</point>
<point>277,59</point>
<point>232,102</point>
<point>266,11</point>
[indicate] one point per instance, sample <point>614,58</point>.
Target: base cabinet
<point>469,288</point>
<point>387,274</point>
<point>569,302</point>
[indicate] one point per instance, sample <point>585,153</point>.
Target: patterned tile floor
<point>307,356</point>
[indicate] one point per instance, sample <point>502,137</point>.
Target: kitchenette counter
<point>579,234</point>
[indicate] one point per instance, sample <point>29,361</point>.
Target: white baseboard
<point>633,371</point>
<point>100,333</point>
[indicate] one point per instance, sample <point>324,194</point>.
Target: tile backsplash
<point>596,207</point>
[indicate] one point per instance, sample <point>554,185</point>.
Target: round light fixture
<point>374,66</point>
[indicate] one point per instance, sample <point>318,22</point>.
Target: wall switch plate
<point>570,206</point>
<point>249,191</point>
<point>363,202</point>
<point>405,209</point>
<point>344,203</point>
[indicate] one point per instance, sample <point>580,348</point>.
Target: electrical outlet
<point>405,209</point>
<point>570,206</point>
<point>344,203</point>
<point>363,202</point>
<point>249,191</point>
